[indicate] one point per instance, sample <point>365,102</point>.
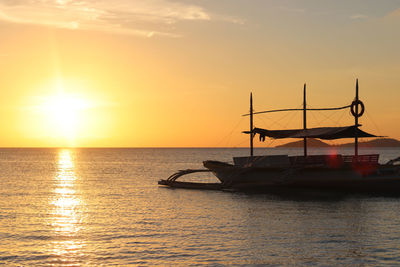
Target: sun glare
<point>65,114</point>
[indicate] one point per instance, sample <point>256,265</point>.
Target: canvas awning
<point>327,133</point>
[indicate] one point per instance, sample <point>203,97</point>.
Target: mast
<point>304,120</point>
<point>251,124</point>
<point>356,123</point>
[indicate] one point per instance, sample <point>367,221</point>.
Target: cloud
<point>358,16</point>
<point>394,14</point>
<point>139,17</point>
<point>292,9</point>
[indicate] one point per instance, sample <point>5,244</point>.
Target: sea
<point>103,207</point>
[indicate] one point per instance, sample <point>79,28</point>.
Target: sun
<point>65,114</point>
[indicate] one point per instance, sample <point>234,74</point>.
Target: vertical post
<point>251,124</point>
<point>356,123</point>
<point>304,120</point>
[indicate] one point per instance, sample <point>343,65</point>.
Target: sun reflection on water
<point>66,207</point>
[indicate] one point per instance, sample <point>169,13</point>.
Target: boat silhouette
<point>327,172</point>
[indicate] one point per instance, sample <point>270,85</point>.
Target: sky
<point>163,73</point>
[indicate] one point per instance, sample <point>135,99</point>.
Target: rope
<point>296,109</point>
<point>277,121</point>
<point>373,122</point>
<point>227,137</point>
<point>328,117</point>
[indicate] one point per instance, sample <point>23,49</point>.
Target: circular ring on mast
<point>353,106</point>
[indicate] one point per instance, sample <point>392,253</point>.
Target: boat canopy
<point>328,133</point>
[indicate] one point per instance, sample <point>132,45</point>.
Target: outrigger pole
<point>251,124</point>
<point>305,120</point>
<point>356,123</point>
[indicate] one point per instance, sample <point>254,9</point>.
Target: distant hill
<point>380,142</point>
<point>311,142</point>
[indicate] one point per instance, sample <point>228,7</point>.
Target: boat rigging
<point>349,132</point>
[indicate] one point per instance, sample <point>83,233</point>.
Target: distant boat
<point>334,172</point>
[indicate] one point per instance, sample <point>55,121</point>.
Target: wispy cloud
<point>141,17</point>
<point>394,14</point>
<point>358,16</point>
<point>292,9</point>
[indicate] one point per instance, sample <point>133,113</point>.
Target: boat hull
<point>380,178</point>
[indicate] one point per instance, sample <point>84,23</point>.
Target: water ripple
<point>103,207</point>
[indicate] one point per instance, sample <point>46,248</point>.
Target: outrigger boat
<point>333,172</point>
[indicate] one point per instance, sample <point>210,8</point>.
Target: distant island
<point>311,142</point>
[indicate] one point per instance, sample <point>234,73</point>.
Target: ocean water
<point>73,207</point>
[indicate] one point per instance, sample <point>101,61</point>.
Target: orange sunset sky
<point>163,73</point>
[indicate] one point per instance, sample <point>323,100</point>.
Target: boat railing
<point>334,160</point>
<point>263,161</point>
<point>371,159</point>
